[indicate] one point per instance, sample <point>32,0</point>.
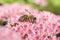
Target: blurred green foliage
<point>53,5</point>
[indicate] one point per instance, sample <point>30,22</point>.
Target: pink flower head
<point>46,27</point>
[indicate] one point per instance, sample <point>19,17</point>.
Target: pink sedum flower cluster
<point>47,24</point>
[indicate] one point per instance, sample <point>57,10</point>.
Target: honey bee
<point>3,22</point>
<point>58,34</point>
<point>29,18</point>
<point>13,24</point>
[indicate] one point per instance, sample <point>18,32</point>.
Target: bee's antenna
<point>27,11</point>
